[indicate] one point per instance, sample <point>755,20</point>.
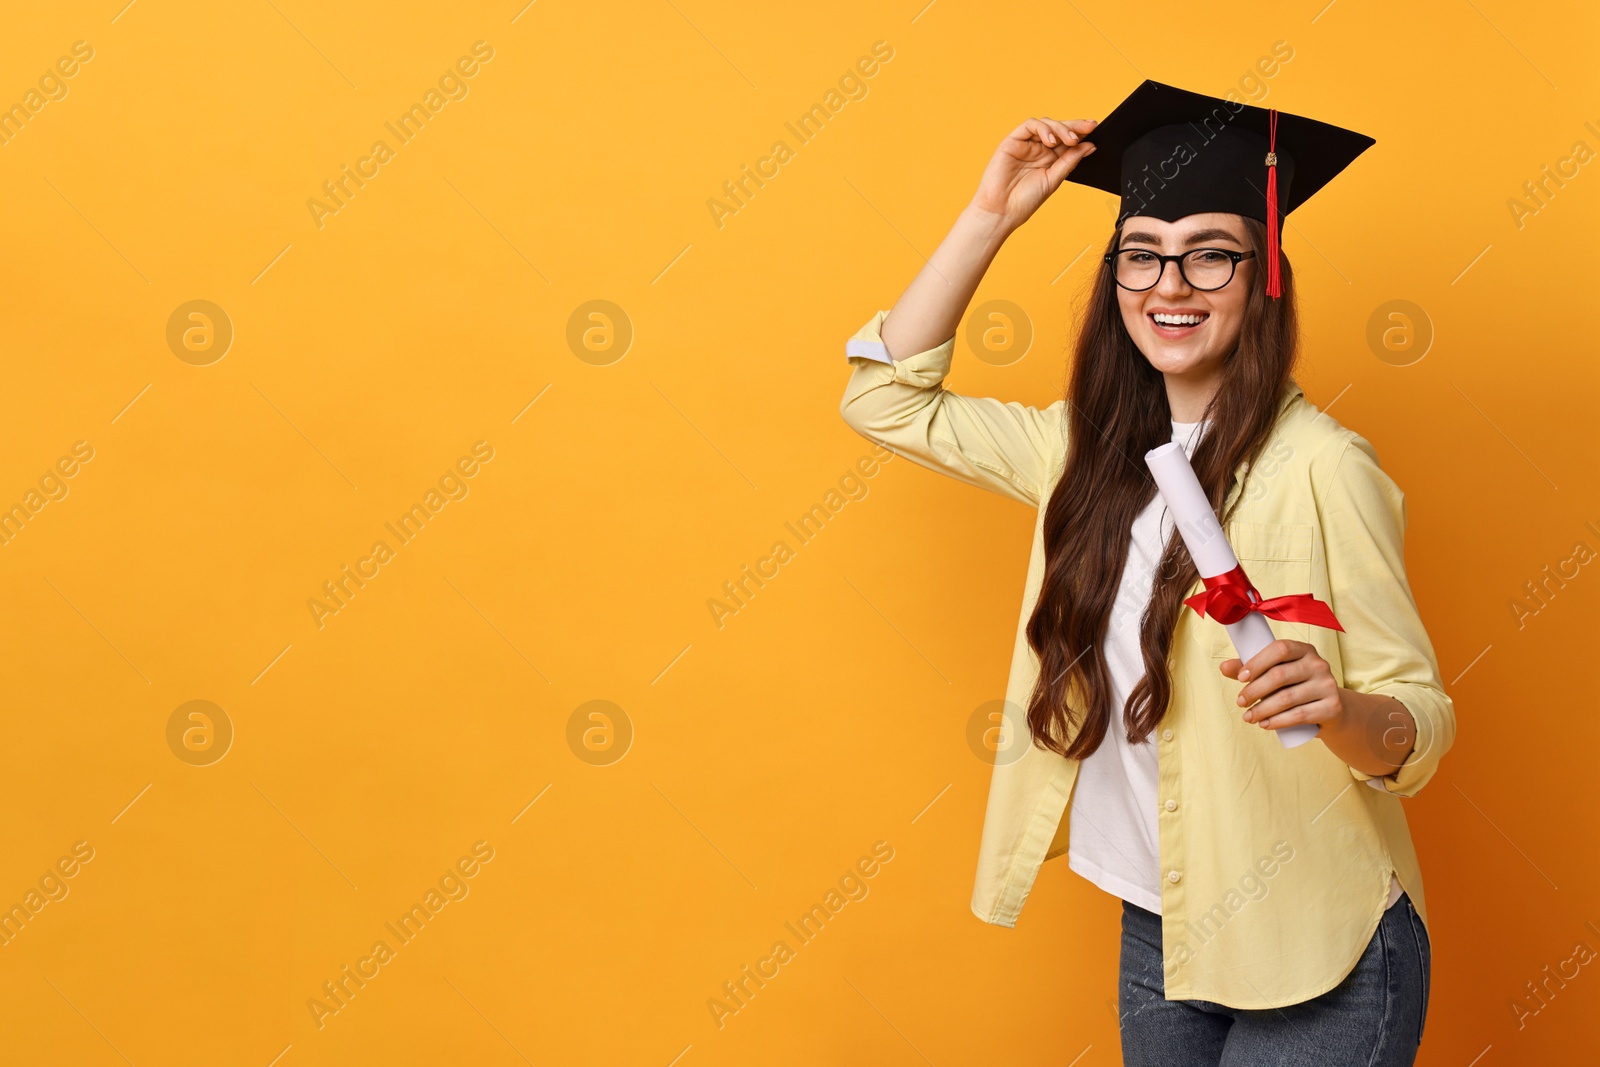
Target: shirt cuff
<point>924,370</point>
<point>869,349</point>
<point>1433,714</point>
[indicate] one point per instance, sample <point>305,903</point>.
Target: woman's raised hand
<point>1025,170</point>
<point>1028,166</point>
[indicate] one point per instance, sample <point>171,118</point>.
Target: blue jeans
<point>1373,1018</point>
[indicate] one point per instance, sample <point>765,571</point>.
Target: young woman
<point>1273,910</point>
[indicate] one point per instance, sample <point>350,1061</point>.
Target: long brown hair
<point>1116,411</point>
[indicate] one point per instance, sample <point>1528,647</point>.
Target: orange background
<point>768,755</point>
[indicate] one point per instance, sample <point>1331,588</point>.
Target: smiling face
<point>1188,355</point>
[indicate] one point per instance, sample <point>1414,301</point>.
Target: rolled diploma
<point>1202,534</point>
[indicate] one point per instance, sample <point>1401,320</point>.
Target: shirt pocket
<point>1276,557</point>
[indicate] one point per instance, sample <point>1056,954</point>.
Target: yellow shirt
<point>1276,862</point>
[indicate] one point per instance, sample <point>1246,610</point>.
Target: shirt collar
<point>1292,394</point>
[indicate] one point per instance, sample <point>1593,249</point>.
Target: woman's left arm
<point>1391,719</point>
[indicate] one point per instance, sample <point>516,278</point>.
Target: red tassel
<point>1274,275</point>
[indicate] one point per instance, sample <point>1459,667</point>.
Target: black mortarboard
<point>1169,153</point>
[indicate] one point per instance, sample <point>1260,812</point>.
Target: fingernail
<point>1243,674</point>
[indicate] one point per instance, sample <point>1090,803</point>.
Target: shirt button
<point>1172,805</point>
<point>1166,735</point>
<point>1173,876</point>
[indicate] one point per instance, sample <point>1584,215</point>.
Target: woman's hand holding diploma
<point>1288,686</point>
<point>1288,683</point>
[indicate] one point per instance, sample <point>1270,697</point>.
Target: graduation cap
<point>1169,153</point>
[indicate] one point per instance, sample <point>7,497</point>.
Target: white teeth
<point>1176,320</point>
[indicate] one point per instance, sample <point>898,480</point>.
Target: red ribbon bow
<point>1230,597</point>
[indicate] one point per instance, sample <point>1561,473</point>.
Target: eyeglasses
<point>1205,269</point>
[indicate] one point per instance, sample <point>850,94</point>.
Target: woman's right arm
<point>901,357</point>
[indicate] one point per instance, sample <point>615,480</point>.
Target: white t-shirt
<point>1113,839</point>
